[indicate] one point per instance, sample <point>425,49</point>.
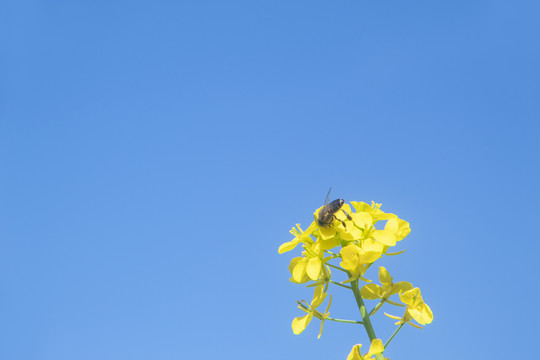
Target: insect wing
<point>328,196</point>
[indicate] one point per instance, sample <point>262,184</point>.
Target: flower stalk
<point>352,235</point>
<point>394,334</point>
<point>377,307</point>
<point>365,316</point>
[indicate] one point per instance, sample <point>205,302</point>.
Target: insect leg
<point>347,215</point>
<point>342,222</point>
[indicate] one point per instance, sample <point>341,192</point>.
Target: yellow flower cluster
<point>361,242</point>
<point>363,233</point>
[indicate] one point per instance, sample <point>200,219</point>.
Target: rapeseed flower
<point>299,236</point>
<point>300,323</point>
<point>416,309</point>
<point>363,233</point>
<point>356,259</point>
<point>309,266</point>
<point>387,288</point>
<point>374,210</point>
<point>376,347</point>
<point>367,216</point>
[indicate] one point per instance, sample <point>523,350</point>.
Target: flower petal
<point>355,353</point>
<point>401,286</point>
<point>299,324</point>
<point>411,297</point>
<point>298,271</point>
<point>384,237</point>
<point>327,233</point>
<point>362,219</point>
<point>328,243</point>
<point>384,276</point>
<point>318,297</point>
<point>288,246</point>
<point>351,232</point>
<point>422,314</point>
<point>370,291</point>
<point>376,347</point>
<point>313,268</point>
<point>399,227</point>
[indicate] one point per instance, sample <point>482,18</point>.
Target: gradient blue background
<point>154,156</point>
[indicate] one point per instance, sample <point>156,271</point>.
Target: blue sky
<point>154,155</point>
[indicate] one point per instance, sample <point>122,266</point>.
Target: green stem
<point>344,321</point>
<point>338,284</point>
<point>365,316</point>
<point>377,307</point>
<point>394,334</point>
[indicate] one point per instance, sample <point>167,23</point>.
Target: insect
<point>327,214</point>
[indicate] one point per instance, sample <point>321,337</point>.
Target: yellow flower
<point>300,323</point>
<point>299,236</point>
<point>365,222</point>
<point>356,259</point>
<point>328,242</point>
<point>374,210</point>
<point>375,348</point>
<point>297,268</point>
<point>416,309</point>
<point>309,266</point>
<point>388,288</point>
<point>395,229</point>
<point>399,227</point>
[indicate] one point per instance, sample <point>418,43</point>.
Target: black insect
<point>328,212</point>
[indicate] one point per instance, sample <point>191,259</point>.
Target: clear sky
<point>155,154</point>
